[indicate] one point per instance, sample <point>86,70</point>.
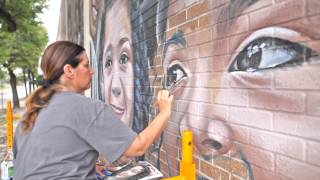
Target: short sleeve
<point>109,135</point>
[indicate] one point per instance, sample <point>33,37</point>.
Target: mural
<point>244,73</point>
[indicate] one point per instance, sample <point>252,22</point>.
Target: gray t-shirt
<point>67,137</point>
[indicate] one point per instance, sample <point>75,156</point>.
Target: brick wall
<point>264,112</point>
<point>244,73</point>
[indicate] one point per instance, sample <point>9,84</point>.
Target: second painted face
<point>118,62</point>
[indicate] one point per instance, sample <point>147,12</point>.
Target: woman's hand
<point>164,102</point>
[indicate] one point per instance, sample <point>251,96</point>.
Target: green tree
<point>21,49</point>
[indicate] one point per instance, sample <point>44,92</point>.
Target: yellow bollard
<point>9,126</point>
<point>187,167</point>
<point>7,164</point>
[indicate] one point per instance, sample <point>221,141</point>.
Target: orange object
<point>187,167</point>
<point>9,126</point>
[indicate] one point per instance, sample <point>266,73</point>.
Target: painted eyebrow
<point>232,10</point>
<point>176,39</point>
<point>109,49</point>
<point>123,40</point>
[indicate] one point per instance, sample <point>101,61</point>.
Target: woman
<point>63,131</point>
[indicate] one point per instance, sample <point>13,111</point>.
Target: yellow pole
<point>186,146</point>
<point>9,126</point>
<point>187,167</point>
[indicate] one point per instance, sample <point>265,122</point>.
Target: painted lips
<point>118,110</point>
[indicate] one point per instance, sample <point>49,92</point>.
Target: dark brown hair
<point>54,58</point>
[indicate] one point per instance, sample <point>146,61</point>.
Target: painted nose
<point>116,91</point>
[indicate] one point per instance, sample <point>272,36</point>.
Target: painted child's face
<point>250,79</point>
<point>118,62</point>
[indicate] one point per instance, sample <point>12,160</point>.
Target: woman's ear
<point>68,71</point>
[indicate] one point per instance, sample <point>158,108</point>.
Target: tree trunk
<point>33,81</point>
<point>13,84</point>
<point>30,80</point>
<point>25,81</point>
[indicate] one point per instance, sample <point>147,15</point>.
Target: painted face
<point>83,74</point>
<point>118,62</point>
<point>248,76</point>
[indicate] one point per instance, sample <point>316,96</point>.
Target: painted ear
<point>68,70</point>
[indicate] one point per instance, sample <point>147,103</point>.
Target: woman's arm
<point>143,141</point>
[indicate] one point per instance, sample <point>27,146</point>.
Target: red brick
<point>199,37</point>
<point>169,34</point>
<point>197,163</point>
<point>193,80</point>
<point>240,133</point>
<point>175,106</point>
<point>234,178</point>
<point>224,175</point>
<point>313,104</point>
<point>210,64</point>
<point>158,60</point>
<point>177,19</point>
<point>219,47</point>
<point>259,157</point>
<point>282,144</point>
<point>192,52</point>
<point>295,169</point>
<point>240,24</point>
<point>176,117</point>
<point>201,95</point>
<point>263,174</point>
<point>278,100</point>
<point>277,13</point>
<point>250,80</point>
<point>188,107</point>
<point>164,167</point>
<point>257,5</point>
<point>197,9</point>
<point>208,19</point>
<point>213,111</point>
<point>235,41</point>
<point>298,125</point>
<point>216,3</point>
<point>313,7</point>
<point>303,77</point>
<point>251,117</point>
<point>313,149</point>
<point>209,170</point>
<point>189,27</point>
<point>232,166</point>
<point>231,97</point>
<point>175,6</point>
<point>170,150</point>
<point>190,2</point>
<point>170,139</point>
<point>231,27</point>
<point>214,63</point>
<point>214,80</point>
<point>173,128</point>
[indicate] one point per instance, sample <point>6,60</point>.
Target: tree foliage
<point>21,49</point>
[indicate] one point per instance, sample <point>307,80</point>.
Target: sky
<point>50,19</point>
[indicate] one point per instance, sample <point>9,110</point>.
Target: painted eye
<point>108,63</point>
<point>123,58</point>
<point>175,74</point>
<point>268,52</point>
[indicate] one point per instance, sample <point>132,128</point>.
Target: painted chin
<point>119,111</point>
